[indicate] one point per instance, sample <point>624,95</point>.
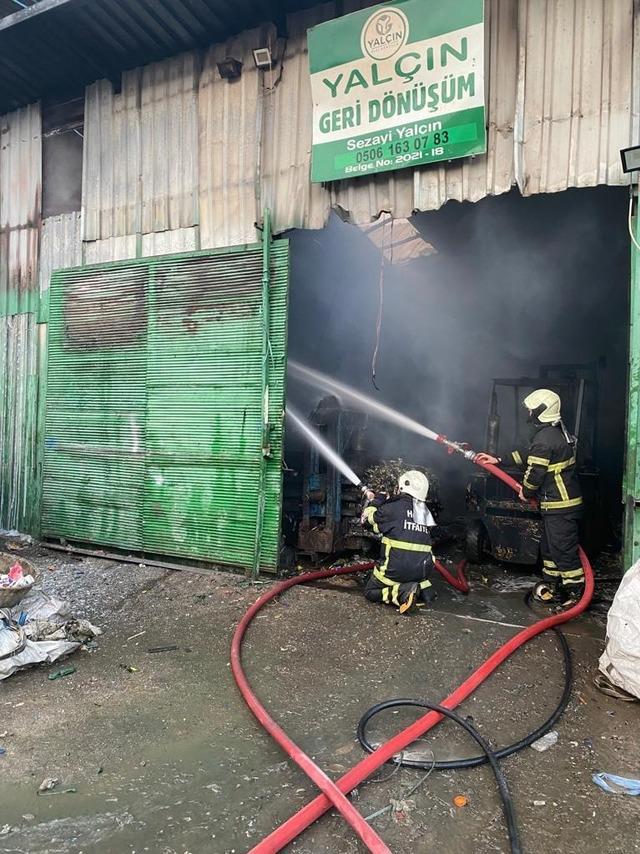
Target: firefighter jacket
<point>551,473</point>
<point>406,541</point>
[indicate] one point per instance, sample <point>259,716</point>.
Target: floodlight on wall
<point>229,68</point>
<point>263,58</point>
<point>630,159</point>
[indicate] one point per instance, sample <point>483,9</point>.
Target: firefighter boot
<point>427,594</point>
<point>545,593</point>
<point>408,597</point>
<point>571,594</point>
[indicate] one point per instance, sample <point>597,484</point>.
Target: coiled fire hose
<point>334,793</point>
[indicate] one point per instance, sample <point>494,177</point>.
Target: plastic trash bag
<point>620,661</point>
<point>49,633</point>
<point>616,785</point>
<point>35,652</point>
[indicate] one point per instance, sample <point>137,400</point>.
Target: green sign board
<point>397,85</point>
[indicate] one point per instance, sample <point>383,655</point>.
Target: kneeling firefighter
<point>402,578</point>
<point>551,477</point>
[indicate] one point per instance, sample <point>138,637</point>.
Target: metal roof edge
<point>31,12</point>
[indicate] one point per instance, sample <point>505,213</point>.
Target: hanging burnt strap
<point>374,360</point>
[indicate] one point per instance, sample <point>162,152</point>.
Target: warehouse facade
<point>169,160</point>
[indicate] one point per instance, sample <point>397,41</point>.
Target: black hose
<point>472,762</point>
<point>489,755</point>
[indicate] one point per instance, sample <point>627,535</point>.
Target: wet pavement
<point>168,759</point>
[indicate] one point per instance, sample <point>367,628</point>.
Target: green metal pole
<point>41,407</point>
<point>265,446</point>
<point>631,484</point>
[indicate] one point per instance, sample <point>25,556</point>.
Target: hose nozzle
<point>458,448</point>
<point>365,489</point>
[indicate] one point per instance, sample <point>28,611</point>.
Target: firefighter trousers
<point>561,566</point>
<point>381,588</point>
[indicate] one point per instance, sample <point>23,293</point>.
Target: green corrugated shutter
<point>153,428</point>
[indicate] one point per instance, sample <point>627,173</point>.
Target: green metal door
<point>165,396</point>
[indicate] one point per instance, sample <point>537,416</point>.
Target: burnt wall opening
<point>516,283</point>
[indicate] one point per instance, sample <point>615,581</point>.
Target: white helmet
<point>415,484</point>
<point>549,400</point>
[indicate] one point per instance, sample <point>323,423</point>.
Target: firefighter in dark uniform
<point>551,477</point>
<point>402,577</point>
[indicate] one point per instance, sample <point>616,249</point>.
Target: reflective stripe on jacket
<point>406,543</point>
<point>551,474</point>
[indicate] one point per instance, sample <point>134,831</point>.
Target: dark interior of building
<point>514,284</point>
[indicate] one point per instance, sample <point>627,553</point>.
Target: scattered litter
<point>70,791</point>
<point>539,803</point>
<point>137,635</point>
<point>40,630</point>
<point>460,801</point>
<point>129,668</point>
<point>6,828</point>
<point>546,741</point>
<point>401,810</point>
<point>62,672</point>
<point>171,647</point>
<point>47,784</point>
<point>616,785</point>
<point>16,578</point>
<point>2,751</point>
<point>28,816</point>
<point>606,686</point>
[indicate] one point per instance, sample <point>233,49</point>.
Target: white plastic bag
<point>45,634</point>
<point>36,653</point>
<point>620,661</point>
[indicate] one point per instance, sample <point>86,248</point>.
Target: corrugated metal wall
<point>141,158</point>
<point>60,246</point>
<point>18,414</point>
<point>575,93</point>
<point>20,208</point>
<point>153,434</point>
<point>231,129</point>
<point>559,95</point>
<point>179,159</point>
<point>20,212</point>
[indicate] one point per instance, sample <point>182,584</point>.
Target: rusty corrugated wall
<point>20,213</point>
<point>553,59</point>
<point>20,208</point>
<point>60,246</point>
<point>141,158</point>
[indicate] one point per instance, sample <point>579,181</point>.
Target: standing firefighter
<point>402,578</point>
<point>551,477</point>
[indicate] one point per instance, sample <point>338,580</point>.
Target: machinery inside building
<point>529,292</point>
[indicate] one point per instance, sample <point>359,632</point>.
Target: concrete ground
<point>168,759</point>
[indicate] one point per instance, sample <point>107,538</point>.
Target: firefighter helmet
<point>415,484</point>
<point>545,404</point>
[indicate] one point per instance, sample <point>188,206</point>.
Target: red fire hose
<point>458,581</point>
<point>334,793</point>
